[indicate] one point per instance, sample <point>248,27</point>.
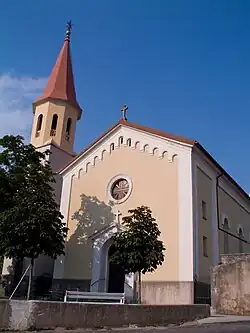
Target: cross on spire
<point>124,110</point>
<point>61,85</point>
<point>68,30</point>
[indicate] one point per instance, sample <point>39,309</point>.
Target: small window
<point>205,251</point>
<point>112,147</point>
<point>68,128</point>
<point>54,125</point>
<point>121,140</point>
<point>129,142</point>
<point>204,210</point>
<point>39,125</point>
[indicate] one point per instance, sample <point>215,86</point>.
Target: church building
<point>200,210</point>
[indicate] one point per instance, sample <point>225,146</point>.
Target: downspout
<point>217,200</point>
<point>218,210</point>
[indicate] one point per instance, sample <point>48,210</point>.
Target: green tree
<point>137,249</point>
<point>1,264</point>
<point>30,220</point>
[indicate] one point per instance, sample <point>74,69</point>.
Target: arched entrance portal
<point>116,275</point>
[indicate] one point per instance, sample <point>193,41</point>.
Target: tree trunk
<point>139,288</point>
<point>18,269</point>
<point>29,293</point>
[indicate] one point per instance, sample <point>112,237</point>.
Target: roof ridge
<point>157,132</point>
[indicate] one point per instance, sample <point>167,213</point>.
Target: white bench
<point>94,297</point>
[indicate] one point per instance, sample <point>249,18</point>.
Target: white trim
<point>186,237</point>
<point>100,270</point>
<point>91,148</point>
<point>64,208</point>
<point>215,230</point>
<point>111,183</point>
<point>163,144</point>
<point>99,259</point>
<point>196,220</point>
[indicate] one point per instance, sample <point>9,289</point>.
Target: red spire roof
<point>61,81</point>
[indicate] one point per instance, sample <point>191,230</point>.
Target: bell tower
<point>57,110</point>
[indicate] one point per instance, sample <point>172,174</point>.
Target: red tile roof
<point>61,81</point>
<point>137,127</point>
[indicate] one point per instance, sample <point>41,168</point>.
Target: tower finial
<point>68,30</point>
<point>124,110</point>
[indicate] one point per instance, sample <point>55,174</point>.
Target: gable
<point>122,135</point>
<point>153,180</point>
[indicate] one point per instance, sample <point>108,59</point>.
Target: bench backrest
<point>81,296</point>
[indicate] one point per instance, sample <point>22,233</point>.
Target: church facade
<point>201,211</point>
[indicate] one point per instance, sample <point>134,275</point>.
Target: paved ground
<point>215,328</point>
<point>213,324</point>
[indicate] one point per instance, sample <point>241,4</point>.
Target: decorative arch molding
<point>87,166</point>
<point>95,161</point>
<point>224,218</point>
<point>174,157</point>
<point>160,149</point>
<point>239,227</point>
<point>80,172</point>
<point>155,151</point>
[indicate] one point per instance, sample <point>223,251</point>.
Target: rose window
<point>120,189</point>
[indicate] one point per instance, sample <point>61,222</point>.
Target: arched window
<point>68,128</point>
<point>226,229</point>
<point>54,125</point>
<point>121,140</point>
<point>240,234</point>
<point>39,124</point>
<point>112,147</point>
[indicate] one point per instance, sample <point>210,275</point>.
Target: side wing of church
<point>201,211</point>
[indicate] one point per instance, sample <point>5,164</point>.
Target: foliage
<point>30,220</point>
<point>137,248</point>
<point>1,264</point>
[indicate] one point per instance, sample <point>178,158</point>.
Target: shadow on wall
<point>92,216</point>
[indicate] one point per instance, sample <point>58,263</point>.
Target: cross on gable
<point>118,214</point>
<point>124,110</point>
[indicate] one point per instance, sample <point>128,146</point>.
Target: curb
<point>213,323</point>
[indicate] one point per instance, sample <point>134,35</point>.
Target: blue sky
<point>181,66</point>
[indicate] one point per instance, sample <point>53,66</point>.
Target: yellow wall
<point>155,184</point>
<point>64,111</point>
